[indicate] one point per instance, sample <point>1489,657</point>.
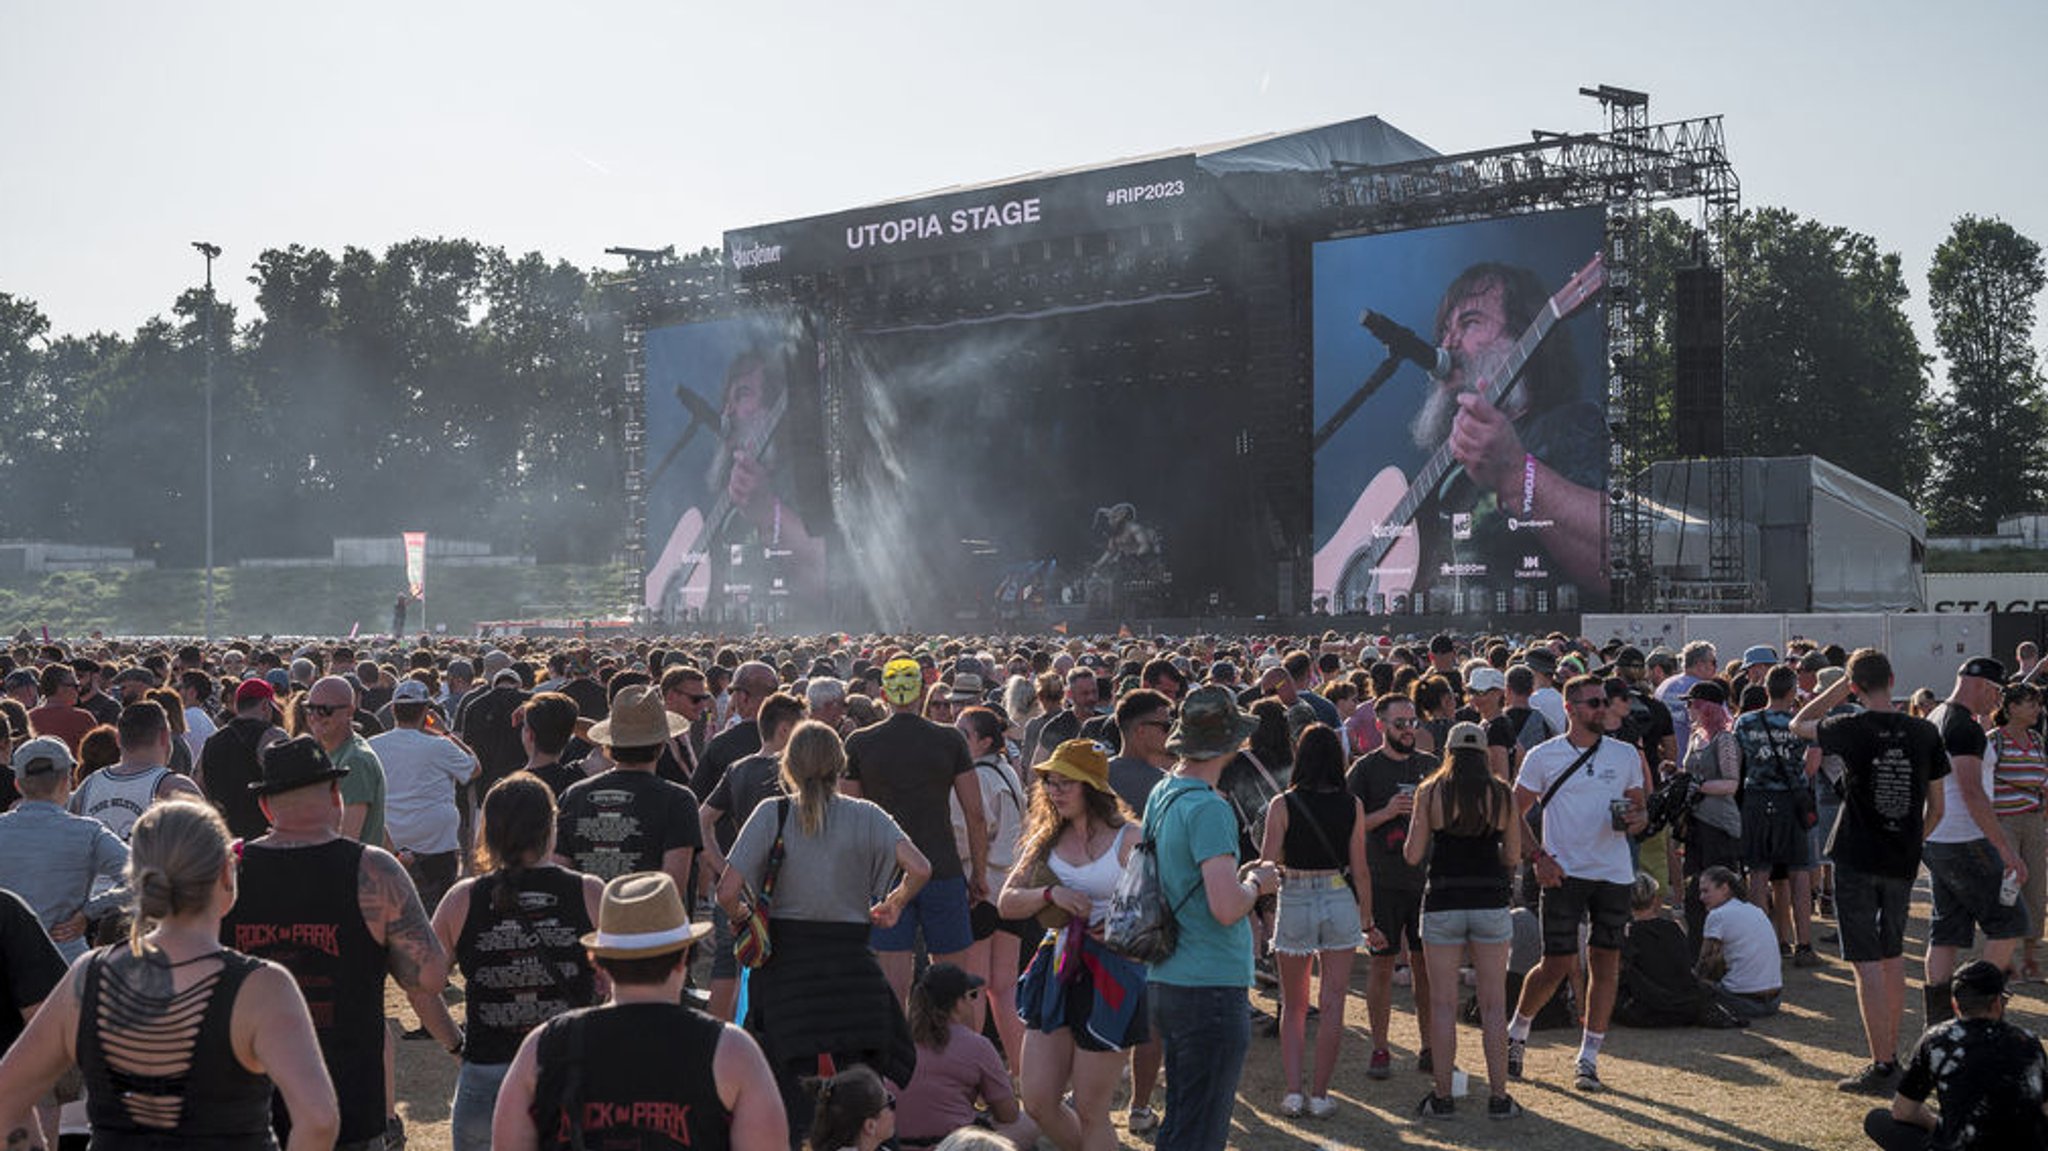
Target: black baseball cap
<point>1983,667</point>
<point>1707,691</point>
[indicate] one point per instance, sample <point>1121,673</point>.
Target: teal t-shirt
<point>1191,823</point>
<point>363,784</point>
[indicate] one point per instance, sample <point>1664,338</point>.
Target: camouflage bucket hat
<point>1210,725</point>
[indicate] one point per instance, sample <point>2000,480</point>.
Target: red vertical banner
<point>416,564</point>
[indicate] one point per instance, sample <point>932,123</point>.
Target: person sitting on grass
<point>1987,1074</point>
<point>957,1067</point>
<point>1739,956</point>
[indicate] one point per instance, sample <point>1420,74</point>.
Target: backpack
<point>1534,729</point>
<point>1139,926</point>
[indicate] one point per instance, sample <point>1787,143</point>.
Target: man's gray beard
<point>740,433</point>
<point>1432,424</point>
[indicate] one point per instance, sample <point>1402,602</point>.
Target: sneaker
<point>394,1134</point>
<point>1381,1067</point>
<point>1516,1047</point>
<point>1291,1104</point>
<point>1322,1107</point>
<point>1434,1106</point>
<point>1143,1121</point>
<point>1425,1063</point>
<point>1503,1107</point>
<point>1403,977</point>
<point>1805,956</point>
<point>1588,1078</point>
<point>1875,1079</point>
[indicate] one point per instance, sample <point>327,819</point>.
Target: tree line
<point>452,387</point>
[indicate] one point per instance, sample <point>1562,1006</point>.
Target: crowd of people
<point>906,868</point>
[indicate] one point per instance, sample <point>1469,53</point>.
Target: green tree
<point>1821,359</point>
<point>1983,286</point>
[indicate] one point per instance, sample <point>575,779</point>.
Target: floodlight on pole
<point>211,252</point>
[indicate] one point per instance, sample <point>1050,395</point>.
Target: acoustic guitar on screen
<point>1375,554</point>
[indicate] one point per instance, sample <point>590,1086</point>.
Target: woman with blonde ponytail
<point>184,1039</point>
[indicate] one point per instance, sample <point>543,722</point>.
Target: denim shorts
<point>940,908</point>
<point>1318,912</point>
<point>1466,925</point>
<point>1964,878</point>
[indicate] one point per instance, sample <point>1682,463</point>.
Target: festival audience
<point>1808,796</point>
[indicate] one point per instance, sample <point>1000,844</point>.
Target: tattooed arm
<point>393,913</point>
<point>37,1059</point>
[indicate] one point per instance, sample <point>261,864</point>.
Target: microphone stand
<point>1365,390</point>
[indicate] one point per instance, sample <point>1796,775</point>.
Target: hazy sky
<point>135,128</point>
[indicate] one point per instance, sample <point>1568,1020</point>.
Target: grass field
<point>1768,1088</point>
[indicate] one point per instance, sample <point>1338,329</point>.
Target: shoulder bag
<point>750,943</point>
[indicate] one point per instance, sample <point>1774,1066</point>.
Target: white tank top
<point>117,799</point>
<point>1095,879</point>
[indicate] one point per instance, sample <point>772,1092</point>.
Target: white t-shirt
<point>1957,824</point>
<point>1578,828</point>
<point>1751,945</point>
<point>1003,806</point>
<point>198,726</point>
<point>421,773</point>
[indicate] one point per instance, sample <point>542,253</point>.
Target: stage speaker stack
<point>1698,348</point>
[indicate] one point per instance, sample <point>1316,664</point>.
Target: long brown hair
<point>1469,798</point>
<point>1043,823</point>
<point>811,764</point>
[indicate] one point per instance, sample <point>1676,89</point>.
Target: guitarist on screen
<point>1511,496</point>
<point>756,514</point>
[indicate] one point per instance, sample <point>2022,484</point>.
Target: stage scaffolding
<point>1629,168</point>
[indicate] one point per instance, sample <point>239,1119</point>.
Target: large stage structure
<point>1132,390</point>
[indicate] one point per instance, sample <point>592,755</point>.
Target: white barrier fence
<point>1925,648</point>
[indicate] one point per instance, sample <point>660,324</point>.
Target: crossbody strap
<point>1323,838</point>
<point>1578,763</point>
<point>775,855</point>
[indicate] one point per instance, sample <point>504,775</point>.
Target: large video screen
<point>1468,475</point>
<point>738,522</point>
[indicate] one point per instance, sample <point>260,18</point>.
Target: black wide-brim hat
<point>293,764</point>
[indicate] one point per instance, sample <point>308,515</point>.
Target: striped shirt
<point>2018,774</point>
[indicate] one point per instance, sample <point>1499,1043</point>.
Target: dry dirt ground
<point>1768,1088</point>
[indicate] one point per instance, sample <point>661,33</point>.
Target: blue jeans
<point>1206,1032</point>
<point>476,1095</point>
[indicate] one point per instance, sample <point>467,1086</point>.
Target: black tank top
<point>229,760</point>
<point>298,908</point>
<point>162,1068</point>
<point>525,965</point>
<point>1333,812</point>
<point>1465,873</point>
<point>630,1075</point>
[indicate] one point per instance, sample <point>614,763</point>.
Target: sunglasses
<point>889,1102</point>
<point>696,696</point>
<point>1590,701</point>
<point>1402,722</point>
<point>323,709</point>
